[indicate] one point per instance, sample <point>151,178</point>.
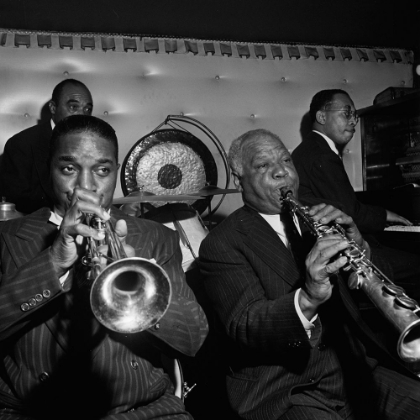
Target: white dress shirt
<point>274,221</point>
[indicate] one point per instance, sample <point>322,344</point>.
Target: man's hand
<point>323,261</point>
<point>121,235</point>
<point>395,218</point>
<point>65,251</point>
<point>327,214</point>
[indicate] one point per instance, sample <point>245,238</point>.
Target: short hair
<point>235,155</point>
<point>322,99</point>
<point>83,124</point>
<point>58,90</point>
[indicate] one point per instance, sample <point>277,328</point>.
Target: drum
<point>188,223</point>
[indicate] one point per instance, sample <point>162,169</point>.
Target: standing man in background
<point>24,173</point>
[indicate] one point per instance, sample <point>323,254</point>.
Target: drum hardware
<point>8,211</point>
<point>150,198</point>
<point>187,389</point>
<point>210,190</point>
<point>184,238</point>
<point>187,222</point>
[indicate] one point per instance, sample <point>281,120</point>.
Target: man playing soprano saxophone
<point>57,361</point>
<point>296,344</point>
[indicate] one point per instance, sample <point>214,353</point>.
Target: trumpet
<point>130,294</point>
<point>391,300</point>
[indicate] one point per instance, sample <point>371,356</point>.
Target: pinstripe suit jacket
<point>54,361</point>
<point>250,278</point>
<point>323,179</point>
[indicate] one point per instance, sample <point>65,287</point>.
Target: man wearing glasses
<point>320,167</point>
<point>323,179</point>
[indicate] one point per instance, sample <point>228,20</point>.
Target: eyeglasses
<point>349,114</point>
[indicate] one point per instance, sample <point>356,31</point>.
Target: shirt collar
<point>55,218</point>
<point>329,141</point>
<point>274,221</point>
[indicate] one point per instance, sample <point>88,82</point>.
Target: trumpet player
<point>296,344</point>
<point>57,360</point>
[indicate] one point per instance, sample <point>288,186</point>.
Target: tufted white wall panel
<point>135,90</point>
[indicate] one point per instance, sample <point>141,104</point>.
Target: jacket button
<point>44,376</point>
<point>134,364</point>
<point>32,302</point>
<point>38,297</point>
<point>156,326</point>
<point>24,307</point>
<point>46,293</point>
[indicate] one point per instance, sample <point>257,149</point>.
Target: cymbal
<point>213,190</point>
<point>153,198</point>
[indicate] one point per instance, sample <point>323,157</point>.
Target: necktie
<point>296,244</point>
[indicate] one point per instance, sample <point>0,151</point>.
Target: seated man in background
<point>57,360</point>
<point>323,179</point>
<point>318,160</point>
<point>296,345</point>
<point>24,172</point>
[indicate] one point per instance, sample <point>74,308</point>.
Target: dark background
<point>374,23</point>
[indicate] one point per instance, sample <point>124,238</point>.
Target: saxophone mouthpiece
<point>285,192</point>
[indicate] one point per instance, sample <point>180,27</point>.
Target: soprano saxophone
<point>391,300</point>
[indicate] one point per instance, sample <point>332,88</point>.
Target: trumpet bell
<point>130,295</point>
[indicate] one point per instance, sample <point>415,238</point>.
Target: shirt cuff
<point>308,325</point>
<point>65,284</point>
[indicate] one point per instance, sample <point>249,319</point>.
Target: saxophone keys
<point>406,302</point>
<point>355,280</point>
<point>393,289</point>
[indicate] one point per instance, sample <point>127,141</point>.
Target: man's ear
<point>237,181</point>
<point>320,117</point>
<point>52,107</point>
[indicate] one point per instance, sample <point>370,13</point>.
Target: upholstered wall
<point>229,87</point>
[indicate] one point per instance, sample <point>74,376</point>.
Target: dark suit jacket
<point>55,356</point>
<point>251,278</point>
<point>24,172</point>
<point>323,179</point>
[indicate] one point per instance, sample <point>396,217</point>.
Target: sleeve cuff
<point>308,325</point>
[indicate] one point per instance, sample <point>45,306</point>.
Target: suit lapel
<point>324,146</point>
<point>34,235</point>
<point>265,243</point>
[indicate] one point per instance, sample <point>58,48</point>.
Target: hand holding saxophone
<point>344,239</point>
<point>325,259</point>
<point>327,214</point>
